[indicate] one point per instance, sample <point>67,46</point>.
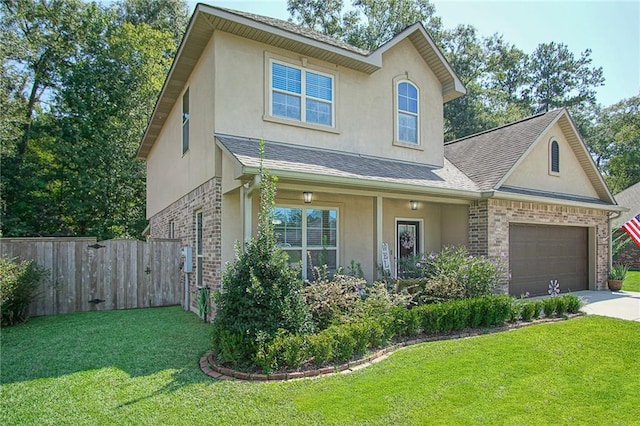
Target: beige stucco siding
<point>533,170</point>
<point>454,220</point>
<point>232,228</point>
<point>428,213</point>
<point>170,174</point>
<point>363,103</point>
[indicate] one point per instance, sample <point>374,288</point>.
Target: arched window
<point>554,157</point>
<point>407,113</point>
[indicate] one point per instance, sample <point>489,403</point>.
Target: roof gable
<point>489,158</point>
<point>286,35</point>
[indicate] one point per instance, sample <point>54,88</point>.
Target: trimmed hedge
<point>527,310</point>
<point>342,342</point>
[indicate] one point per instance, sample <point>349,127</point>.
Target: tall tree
<point>77,173</point>
<point>170,16</point>
<point>559,79</point>
<point>368,24</point>
<point>615,143</point>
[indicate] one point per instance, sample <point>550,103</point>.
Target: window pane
<point>320,258</point>
<point>408,128</point>
<point>185,137</point>
<point>555,157</point>
<point>321,228</point>
<point>286,105</point>
<point>407,98</point>
<point>288,226</point>
<point>185,106</point>
<point>318,86</point>
<point>286,78</point>
<point>318,112</point>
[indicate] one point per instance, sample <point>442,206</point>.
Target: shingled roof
<point>629,198</point>
<point>486,157</point>
<point>296,29</point>
<point>356,170</point>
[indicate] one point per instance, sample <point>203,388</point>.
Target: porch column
<point>379,237</point>
<point>246,192</point>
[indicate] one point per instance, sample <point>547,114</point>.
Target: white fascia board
<point>501,195</point>
<point>364,183</point>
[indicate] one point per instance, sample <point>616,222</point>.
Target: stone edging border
<point>211,369</point>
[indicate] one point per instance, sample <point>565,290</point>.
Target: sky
<point>610,28</point>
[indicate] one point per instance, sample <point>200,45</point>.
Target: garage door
<point>541,253</point>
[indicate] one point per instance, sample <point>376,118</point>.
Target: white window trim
<point>396,114</point>
<point>304,66</point>
<point>551,172</point>
<point>304,248</point>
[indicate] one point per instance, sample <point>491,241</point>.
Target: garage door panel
<point>539,254</point>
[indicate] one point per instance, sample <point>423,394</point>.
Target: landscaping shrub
<point>329,300</point>
<point>19,282</point>
<point>516,312</point>
<point>561,305</point>
<point>260,294</point>
<point>574,303</point>
<point>448,275</point>
<point>527,310</point>
<point>549,306</point>
<point>405,322</point>
<point>320,347</point>
<point>538,307</point>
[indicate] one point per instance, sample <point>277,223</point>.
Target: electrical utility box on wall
<point>187,261</point>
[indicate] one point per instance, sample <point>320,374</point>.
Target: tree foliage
<point>504,83</point>
<point>79,83</point>
<point>615,143</point>
<point>261,294</point>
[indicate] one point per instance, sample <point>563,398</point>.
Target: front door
<point>407,242</point>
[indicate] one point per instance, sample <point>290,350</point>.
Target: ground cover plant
<point>632,281</point>
<point>140,367</point>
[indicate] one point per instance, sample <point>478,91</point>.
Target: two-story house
<point>355,138</point>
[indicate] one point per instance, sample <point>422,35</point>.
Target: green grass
<point>140,367</point>
<point>632,281</point>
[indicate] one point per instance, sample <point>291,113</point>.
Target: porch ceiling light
<point>413,204</point>
<point>308,196</point>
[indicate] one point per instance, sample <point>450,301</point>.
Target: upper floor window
<point>554,157</point>
<point>408,119</point>
<point>302,95</point>
<point>185,121</point>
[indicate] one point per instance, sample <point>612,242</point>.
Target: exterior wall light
<point>308,196</point>
<point>413,204</point>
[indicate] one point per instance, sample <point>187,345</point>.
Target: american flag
<point>632,228</point>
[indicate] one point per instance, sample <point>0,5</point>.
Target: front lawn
<point>140,367</point>
<point>632,281</point>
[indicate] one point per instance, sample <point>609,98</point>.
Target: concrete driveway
<point>618,304</point>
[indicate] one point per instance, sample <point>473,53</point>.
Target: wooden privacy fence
<point>114,274</point>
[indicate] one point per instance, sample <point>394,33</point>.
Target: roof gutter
<point>365,183</point>
<point>528,198</point>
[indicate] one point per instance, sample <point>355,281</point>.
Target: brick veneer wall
<point>489,228</point>
<point>629,254</point>
<point>208,198</point>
